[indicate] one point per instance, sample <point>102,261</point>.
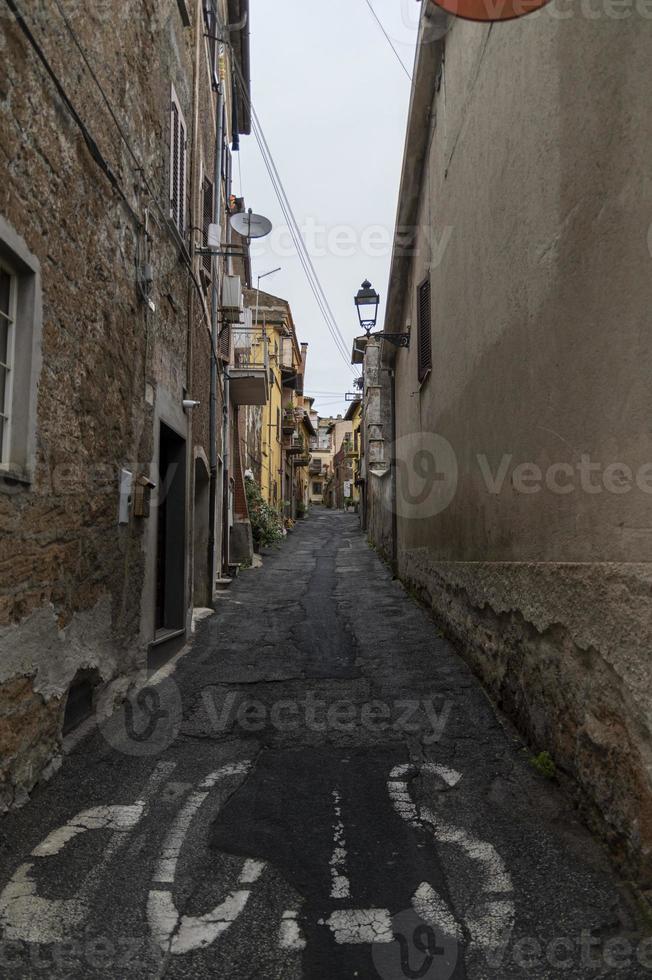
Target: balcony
<point>249,367</point>
<point>316,467</point>
<point>289,423</point>
<point>296,447</point>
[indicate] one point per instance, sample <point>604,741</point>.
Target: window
<point>7,331</point>
<point>215,48</point>
<point>278,423</point>
<point>424,336</point>
<point>178,165</point>
<point>317,489</point>
<point>207,219</point>
<point>20,355</point>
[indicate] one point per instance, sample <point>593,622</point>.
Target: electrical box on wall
<point>124,501</point>
<point>142,496</point>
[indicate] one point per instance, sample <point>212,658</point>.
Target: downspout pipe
<point>392,397</point>
<point>217,219</point>
<point>226,443</point>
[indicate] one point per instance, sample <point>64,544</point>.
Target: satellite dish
<point>250,225</point>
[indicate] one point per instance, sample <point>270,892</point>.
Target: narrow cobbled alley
<point>319,788</point>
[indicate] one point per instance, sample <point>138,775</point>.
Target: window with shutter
<point>181,224</point>
<point>20,344</point>
<point>7,321</point>
<point>178,165</point>
<point>212,31</point>
<point>174,164</point>
<point>208,206</point>
<point>224,343</point>
<point>424,330</point>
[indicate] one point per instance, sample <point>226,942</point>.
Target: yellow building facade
<point>285,427</point>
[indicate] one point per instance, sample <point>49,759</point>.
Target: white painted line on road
<point>179,934</point>
<point>434,911</point>
<point>289,936</point>
<point>491,921</point>
<point>491,925</point>
<point>27,916</point>
<point>354,926</point>
<point>496,878</point>
<point>251,872</point>
<point>450,776</point>
<point>97,818</point>
<point>340,885</point>
<point>167,864</point>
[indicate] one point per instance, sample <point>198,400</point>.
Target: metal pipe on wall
<point>217,219</point>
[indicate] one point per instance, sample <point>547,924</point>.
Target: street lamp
<point>367,301</point>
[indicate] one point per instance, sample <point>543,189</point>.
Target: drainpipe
<point>217,219</point>
<point>392,397</point>
<point>226,451</point>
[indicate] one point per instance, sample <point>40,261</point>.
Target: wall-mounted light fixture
<point>367,301</point>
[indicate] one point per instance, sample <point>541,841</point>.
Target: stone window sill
<point>12,481</point>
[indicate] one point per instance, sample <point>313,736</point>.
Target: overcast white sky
<point>332,100</point>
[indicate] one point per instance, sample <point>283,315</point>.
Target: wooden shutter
<point>174,164</point>
<point>224,343</point>
<point>207,219</point>
<point>178,165</point>
<point>424,330</point>
<point>182,177</point>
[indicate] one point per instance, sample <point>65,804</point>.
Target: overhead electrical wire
<point>302,252</point>
<point>388,39</point>
<point>94,148</point>
<point>295,231</point>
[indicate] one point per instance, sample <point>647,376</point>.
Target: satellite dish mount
<point>247,224</point>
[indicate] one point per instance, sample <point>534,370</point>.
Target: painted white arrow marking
<point>176,933</point>
<point>25,915</point>
<point>491,921</point>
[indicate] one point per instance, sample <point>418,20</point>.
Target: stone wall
<point>532,540</point>
<point>573,675</point>
<point>74,588</point>
<point>378,450</point>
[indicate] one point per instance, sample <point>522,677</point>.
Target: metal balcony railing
<point>249,349</point>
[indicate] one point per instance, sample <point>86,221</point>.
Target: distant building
<point>275,437</point>
<point>330,432</point>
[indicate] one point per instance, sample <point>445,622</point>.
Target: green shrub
<point>544,763</point>
<point>266,523</point>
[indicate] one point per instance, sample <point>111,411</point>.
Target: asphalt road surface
<point>319,789</point>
